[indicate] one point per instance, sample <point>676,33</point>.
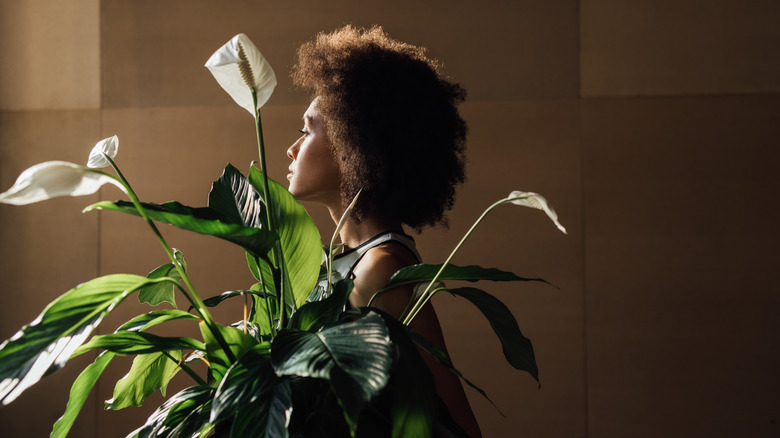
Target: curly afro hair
<point>392,120</point>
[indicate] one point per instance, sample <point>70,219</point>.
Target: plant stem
<point>261,152</point>
<point>276,251</point>
<point>339,226</point>
<point>187,369</point>
<point>424,302</point>
<point>425,296</point>
<point>193,297</point>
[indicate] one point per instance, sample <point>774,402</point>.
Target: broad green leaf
<point>412,386</point>
<point>280,411</point>
<point>232,196</point>
<point>157,293</point>
<point>267,415</point>
<point>252,262</point>
<point>200,220</point>
<point>79,392</point>
<point>167,421</point>
<point>298,235</point>
<point>265,310</point>
<point>138,343</point>
<point>84,383</point>
<point>238,341</point>
<point>423,272</point>
<point>143,322</point>
<point>189,419</point>
<point>313,316</point>
<point>46,344</point>
<point>517,348</point>
<point>246,381</point>
<point>355,357</point>
<point>148,373</point>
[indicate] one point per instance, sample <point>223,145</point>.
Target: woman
<point>383,120</point>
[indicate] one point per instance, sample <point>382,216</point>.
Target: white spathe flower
<point>53,179</point>
<point>239,67</point>
<point>108,146</point>
<point>535,200</point>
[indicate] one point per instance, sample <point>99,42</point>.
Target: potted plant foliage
<point>299,363</point>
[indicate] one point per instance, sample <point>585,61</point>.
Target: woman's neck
<point>354,233</point>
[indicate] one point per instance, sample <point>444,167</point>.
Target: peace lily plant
<point>297,363</point>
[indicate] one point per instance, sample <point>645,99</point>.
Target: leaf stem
<point>276,251</point>
<point>339,226</point>
<point>193,297</point>
<point>186,369</point>
<point>425,296</point>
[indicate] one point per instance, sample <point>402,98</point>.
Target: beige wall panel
<point>530,146</point>
<point>50,52</point>
<point>669,47</point>
<point>46,249</point>
<point>681,261</point>
<point>153,52</point>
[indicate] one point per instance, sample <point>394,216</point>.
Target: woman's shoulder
<point>375,269</point>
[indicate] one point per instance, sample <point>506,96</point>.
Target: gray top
<point>344,263</point>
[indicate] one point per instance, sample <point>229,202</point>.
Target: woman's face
<point>314,174</point>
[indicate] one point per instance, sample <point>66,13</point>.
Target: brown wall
<point>652,126</point>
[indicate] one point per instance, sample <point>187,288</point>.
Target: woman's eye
<point>304,132</point>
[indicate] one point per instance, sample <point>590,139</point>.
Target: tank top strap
<point>345,263</point>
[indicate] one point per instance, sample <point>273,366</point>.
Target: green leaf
<point>143,322</point>
<point>79,392</point>
<point>148,373</point>
<point>314,315</point>
<point>187,409</point>
<point>200,220</point>
<point>252,262</point>
<point>138,343</point>
<point>157,293</point>
<point>298,235</point>
<point>265,312</point>
<point>355,357</point>
<point>265,309</point>
<point>423,272</point>
<point>517,348</point>
<point>84,383</point>
<point>280,410</point>
<point>414,392</point>
<point>238,341</point>
<point>47,343</point>
<point>267,416</point>
<point>214,301</point>
<point>236,199</point>
<point>250,379</point>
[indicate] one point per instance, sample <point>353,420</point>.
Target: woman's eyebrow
<point>308,119</point>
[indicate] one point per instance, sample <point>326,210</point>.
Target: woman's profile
<point>383,121</point>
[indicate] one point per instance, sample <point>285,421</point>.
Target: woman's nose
<point>292,152</point>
